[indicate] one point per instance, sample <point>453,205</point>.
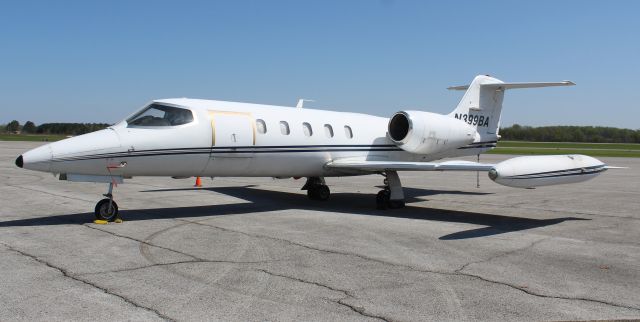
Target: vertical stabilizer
<point>481,106</point>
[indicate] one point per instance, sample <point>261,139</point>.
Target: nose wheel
<point>107,209</point>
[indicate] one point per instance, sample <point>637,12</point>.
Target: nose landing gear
<point>107,209</point>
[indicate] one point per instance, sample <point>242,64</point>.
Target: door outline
<point>250,119</point>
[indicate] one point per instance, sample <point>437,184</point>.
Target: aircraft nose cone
<point>38,159</point>
<point>19,161</point>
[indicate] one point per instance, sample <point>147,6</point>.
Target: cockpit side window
<point>161,115</point>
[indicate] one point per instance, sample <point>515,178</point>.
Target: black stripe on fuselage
<point>237,150</point>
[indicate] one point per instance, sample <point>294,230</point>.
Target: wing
<point>375,166</point>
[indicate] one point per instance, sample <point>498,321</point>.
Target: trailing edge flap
<point>408,166</point>
<point>502,86</point>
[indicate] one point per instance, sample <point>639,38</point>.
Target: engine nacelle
<point>426,133</point>
<point>546,170</point>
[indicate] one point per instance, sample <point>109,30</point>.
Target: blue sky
<point>92,61</point>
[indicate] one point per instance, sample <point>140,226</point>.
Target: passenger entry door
<point>233,137</point>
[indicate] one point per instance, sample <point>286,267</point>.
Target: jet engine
<point>546,170</point>
<point>427,133</point>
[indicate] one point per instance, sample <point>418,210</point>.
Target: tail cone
<point>198,182</point>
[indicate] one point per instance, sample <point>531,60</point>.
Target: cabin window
<point>284,128</point>
<point>328,130</point>
<point>261,126</point>
<point>347,132</point>
<point>306,127</point>
<point>161,115</point>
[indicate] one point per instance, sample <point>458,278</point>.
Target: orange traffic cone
<point>198,182</point>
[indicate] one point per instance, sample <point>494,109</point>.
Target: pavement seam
<point>347,295</point>
<point>454,273</point>
<point>105,290</point>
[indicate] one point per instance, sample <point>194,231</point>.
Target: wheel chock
<point>100,222</point>
<point>118,221</point>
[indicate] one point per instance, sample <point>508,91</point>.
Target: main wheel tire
<point>382,199</point>
<point>322,193</point>
<point>396,204</point>
<point>312,194</point>
<point>103,212</point>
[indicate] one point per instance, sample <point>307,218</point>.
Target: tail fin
<point>481,105</point>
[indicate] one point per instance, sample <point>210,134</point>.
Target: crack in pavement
<point>359,310</point>
<point>531,245</point>
<point>346,295</point>
<point>457,272</point>
<point>178,263</point>
<point>145,242</point>
<point>519,288</point>
<point>412,268</point>
<point>66,274</point>
<point>47,192</point>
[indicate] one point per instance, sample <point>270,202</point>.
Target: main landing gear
<point>107,209</point>
<point>317,189</point>
<point>391,197</point>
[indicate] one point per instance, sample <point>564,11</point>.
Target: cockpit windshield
<point>161,115</point>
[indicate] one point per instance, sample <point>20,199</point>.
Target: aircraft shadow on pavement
<point>259,200</point>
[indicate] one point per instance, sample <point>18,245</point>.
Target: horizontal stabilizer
<point>515,85</point>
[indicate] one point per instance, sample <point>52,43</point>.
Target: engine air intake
<point>399,127</point>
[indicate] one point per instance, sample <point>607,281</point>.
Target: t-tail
<point>481,106</point>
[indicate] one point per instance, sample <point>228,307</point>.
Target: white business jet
<point>183,137</point>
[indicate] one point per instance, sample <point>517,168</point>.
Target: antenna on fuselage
<point>301,102</point>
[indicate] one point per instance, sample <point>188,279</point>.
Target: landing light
<point>493,174</point>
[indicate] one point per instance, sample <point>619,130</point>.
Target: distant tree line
<point>595,134</point>
<point>70,128</point>
<point>52,128</point>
